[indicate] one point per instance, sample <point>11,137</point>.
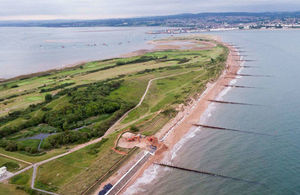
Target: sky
<point>102,9</point>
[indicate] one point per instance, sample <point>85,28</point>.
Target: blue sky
<point>94,9</point>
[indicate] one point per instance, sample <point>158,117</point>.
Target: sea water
<point>25,50</point>
<point>271,161</point>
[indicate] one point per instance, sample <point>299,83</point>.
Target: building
<point>3,171</point>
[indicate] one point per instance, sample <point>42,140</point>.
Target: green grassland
<point>22,182</point>
<point>6,189</point>
<point>76,172</point>
<point>19,184</point>
<point>11,165</point>
<point>93,96</point>
<point>35,158</point>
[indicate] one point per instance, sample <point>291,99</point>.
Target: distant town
<point>183,23</point>
<point>225,27</point>
<point>230,21</point>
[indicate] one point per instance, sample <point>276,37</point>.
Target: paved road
<point>126,178</point>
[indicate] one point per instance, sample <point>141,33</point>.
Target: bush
<point>11,166</point>
<point>45,109</point>
<point>56,87</point>
<point>170,112</point>
<point>134,128</point>
<point>95,148</point>
<point>183,60</point>
<point>21,179</point>
<point>14,86</point>
<point>57,140</point>
<point>11,146</point>
<point>48,98</point>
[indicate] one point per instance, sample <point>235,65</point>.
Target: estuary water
<point>34,49</point>
<point>272,161</point>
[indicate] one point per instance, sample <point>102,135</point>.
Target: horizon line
<point>135,17</point>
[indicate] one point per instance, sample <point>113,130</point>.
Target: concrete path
<point>23,161</point>
<point>33,180</point>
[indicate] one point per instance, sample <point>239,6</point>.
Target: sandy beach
<point>172,44</point>
<point>172,132</point>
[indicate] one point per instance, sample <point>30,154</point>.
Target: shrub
<point>134,128</point>
<point>48,98</point>
<point>56,87</point>
<point>11,146</point>
<point>170,112</point>
<point>14,86</point>
<point>11,166</point>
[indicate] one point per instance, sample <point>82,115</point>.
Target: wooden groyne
<point>245,60</point>
<point>246,66</point>
<point>240,55</point>
<point>239,86</point>
<point>208,173</point>
<point>249,66</point>
<point>236,103</point>
<point>229,129</point>
<point>240,51</point>
<point>237,47</point>
<point>251,75</point>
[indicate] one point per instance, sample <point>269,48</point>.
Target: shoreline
<point>52,70</point>
<point>177,128</point>
<point>153,47</point>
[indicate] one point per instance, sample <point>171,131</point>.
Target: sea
<point>264,163</point>
<point>34,49</point>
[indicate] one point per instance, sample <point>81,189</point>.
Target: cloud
<point>91,9</point>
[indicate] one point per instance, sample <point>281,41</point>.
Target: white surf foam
<point>148,176</point>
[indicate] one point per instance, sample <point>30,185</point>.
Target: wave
<point>149,175</point>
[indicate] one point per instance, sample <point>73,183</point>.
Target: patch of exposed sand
<point>173,44</point>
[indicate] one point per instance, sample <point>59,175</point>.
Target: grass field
<point>179,76</point>
<point>76,172</point>
<point>11,165</point>
<point>6,189</point>
<point>35,158</point>
<point>22,180</point>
